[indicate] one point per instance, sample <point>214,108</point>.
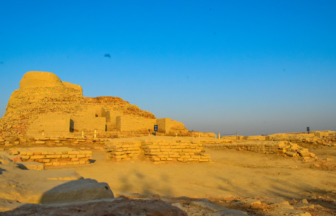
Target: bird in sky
<point>107,55</point>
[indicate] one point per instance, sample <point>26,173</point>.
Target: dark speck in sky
<point>107,55</point>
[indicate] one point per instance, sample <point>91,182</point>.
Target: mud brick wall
<point>178,151</point>
<point>269,147</point>
<point>61,141</point>
<point>6,143</point>
<point>158,151</point>
<point>164,125</point>
<point>80,143</point>
<point>88,123</point>
<point>54,158</point>
<point>51,123</point>
<point>123,150</point>
<point>254,138</point>
<point>132,123</point>
<point>212,142</point>
<point>258,147</point>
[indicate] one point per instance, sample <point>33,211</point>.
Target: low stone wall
<point>94,143</point>
<point>185,151</point>
<point>55,158</point>
<point>158,151</point>
<point>5,143</point>
<point>313,137</point>
<point>269,147</point>
<point>259,147</point>
<point>60,141</point>
<point>215,141</point>
<point>123,150</point>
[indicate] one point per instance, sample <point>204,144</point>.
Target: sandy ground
<point>233,173</point>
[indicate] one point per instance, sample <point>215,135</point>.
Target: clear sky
<point>253,67</point>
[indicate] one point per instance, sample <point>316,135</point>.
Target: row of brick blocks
<point>62,140</point>
<point>7,143</point>
<point>181,151</point>
<point>54,141</point>
<point>158,151</point>
<point>259,148</point>
<point>56,158</point>
<point>82,139</point>
<point>285,147</point>
<point>9,149</point>
<point>120,151</point>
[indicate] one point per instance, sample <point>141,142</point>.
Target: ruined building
<point>46,105</point>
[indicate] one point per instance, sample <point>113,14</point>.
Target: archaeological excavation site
<point>62,153</point>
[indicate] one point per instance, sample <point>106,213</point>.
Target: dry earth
<point>234,173</point>
<point>259,184</point>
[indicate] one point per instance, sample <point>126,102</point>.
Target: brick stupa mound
<point>45,105</point>
<point>35,79</point>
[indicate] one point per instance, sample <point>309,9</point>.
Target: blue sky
<point>252,67</point>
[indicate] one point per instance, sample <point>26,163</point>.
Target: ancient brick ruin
<point>46,106</point>
<point>157,151</point>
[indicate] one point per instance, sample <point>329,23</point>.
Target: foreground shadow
<point>145,185</point>
<point>86,197</point>
<point>1,170</point>
<point>68,192</point>
<point>78,190</point>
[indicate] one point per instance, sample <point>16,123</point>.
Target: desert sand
<point>233,173</point>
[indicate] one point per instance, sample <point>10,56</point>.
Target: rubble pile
<point>293,150</point>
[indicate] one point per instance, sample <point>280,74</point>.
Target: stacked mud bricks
<point>57,158</point>
<point>330,141</point>
<point>6,144</point>
<point>182,151</point>
<point>158,151</point>
<point>60,141</point>
<point>261,148</point>
<point>120,151</point>
<point>269,147</point>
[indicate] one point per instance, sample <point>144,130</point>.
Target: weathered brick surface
<point>52,159</point>
<point>269,147</point>
<point>158,150</point>
<point>50,108</point>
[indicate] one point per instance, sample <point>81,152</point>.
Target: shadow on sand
<point>67,199</point>
<point>68,192</point>
<point>144,184</point>
<point>1,170</point>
